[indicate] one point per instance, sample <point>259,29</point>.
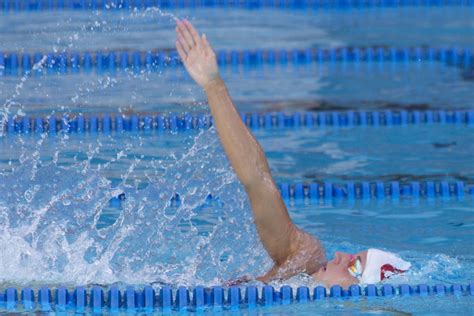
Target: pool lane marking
<point>166,299</point>
<point>174,123</point>
<point>321,192</point>
<point>156,60</point>
<point>124,5</point>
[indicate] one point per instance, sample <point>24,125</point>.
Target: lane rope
<point>174,123</point>
<point>110,62</point>
<point>166,299</point>
<point>115,5</point>
<point>364,191</point>
<point>377,190</point>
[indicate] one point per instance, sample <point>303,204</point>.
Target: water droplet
<point>28,196</point>
<point>66,198</point>
<point>103,182</point>
<point>23,158</point>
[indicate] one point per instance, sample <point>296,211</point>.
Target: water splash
<point>49,230</point>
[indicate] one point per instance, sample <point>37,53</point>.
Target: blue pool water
<point>301,154</point>
<point>58,227</point>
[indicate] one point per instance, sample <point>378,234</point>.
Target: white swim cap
<point>381,265</point>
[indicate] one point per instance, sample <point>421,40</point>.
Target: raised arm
<point>290,248</point>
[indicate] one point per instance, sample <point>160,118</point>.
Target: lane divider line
<point>147,299</point>
<point>378,190</point>
<point>351,191</point>
<point>114,5</point>
<point>174,123</point>
<point>12,63</point>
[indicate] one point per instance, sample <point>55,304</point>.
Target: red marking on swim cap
<point>389,268</point>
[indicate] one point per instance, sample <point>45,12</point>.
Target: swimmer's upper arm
<point>292,249</point>
<point>276,230</point>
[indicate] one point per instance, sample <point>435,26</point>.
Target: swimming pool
<point>62,224</point>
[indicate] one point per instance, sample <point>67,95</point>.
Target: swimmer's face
<point>336,271</point>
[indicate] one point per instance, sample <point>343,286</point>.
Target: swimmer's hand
<point>197,55</point>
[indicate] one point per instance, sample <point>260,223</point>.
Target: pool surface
<point>100,209</point>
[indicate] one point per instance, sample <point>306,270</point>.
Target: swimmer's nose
<point>337,257</point>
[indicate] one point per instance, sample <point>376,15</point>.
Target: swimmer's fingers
<point>206,44</point>
<point>188,41</point>
<point>181,51</point>
<point>192,31</point>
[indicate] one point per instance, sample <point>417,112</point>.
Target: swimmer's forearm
<point>244,152</point>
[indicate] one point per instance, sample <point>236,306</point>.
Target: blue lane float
<point>39,63</point>
<point>148,299</point>
<point>316,192</point>
<point>378,190</point>
<point>60,5</point>
<point>174,123</point>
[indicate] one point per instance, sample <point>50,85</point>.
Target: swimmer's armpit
<point>308,257</point>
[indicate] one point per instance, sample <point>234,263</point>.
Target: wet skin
<point>336,270</point>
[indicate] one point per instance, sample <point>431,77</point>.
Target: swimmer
<point>293,250</point>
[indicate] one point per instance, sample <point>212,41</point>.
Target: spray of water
<point>49,230</point>
<point>50,211</point>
